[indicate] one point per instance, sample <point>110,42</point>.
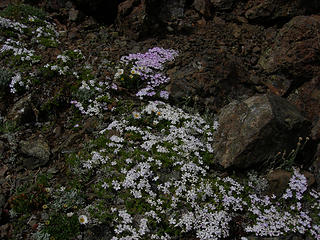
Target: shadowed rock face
<point>255,130</point>
<point>166,10</point>
<point>104,11</point>
<point>294,56</point>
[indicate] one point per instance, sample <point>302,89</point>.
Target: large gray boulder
<point>253,131</point>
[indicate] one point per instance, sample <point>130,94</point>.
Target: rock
<point>279,181</point>
<point>131,17</point>
<point>126,7</point>
<point>209,75</point>
<point>203,6</point>
<point>22,111</point>
<point>307,99</point>
<point>104,11</point>
<point>36,152</point>
<point>162,12</point>
<point>266,10</point>
<point>222,4</point>
<point>73,14</point>
<point>142,18</point>
<point>255,130</point>
<point>293,58</point>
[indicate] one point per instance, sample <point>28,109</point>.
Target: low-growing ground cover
<point>147,173</point>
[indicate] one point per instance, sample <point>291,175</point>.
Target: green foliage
<point>60,226</point>
<point>48,42</point>
<point>18,11</point>
<point>43,179</point>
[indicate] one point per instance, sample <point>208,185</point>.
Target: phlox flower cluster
<point>19,50</point>
<point>153,59</point>
<point>298,185</point>
<point>94,94</point>
<point>7,23</point>
<point>165,170</point>
<point>273,221</point>
<point>149,67</point>
<point>17,82</point>
<point>47,31</point>
<point>64,63</point>
<point>56,68</point>
<point>146,66</point>
<point>17,47</point>
<point>142,172</point>
<point>258,183</point>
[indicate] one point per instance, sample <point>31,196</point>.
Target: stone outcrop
<point>36,153</point>
<point>294,56</point>
<point>143,18</point>
<point>131,17</point>
<point>268,10</point>
<point>253,131</point>
<point>307,99</point>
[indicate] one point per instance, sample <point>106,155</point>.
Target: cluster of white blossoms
<point>47,31</point>
<point>165,169</point>
<point>7,23</point>
<point>64,61</point>
<point>56,68</point>
<point>18,49</point>
<point>97,90</point>
<point>271,220</point>
<point>17,82</point>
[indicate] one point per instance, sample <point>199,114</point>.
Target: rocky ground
<point>252,67</point>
